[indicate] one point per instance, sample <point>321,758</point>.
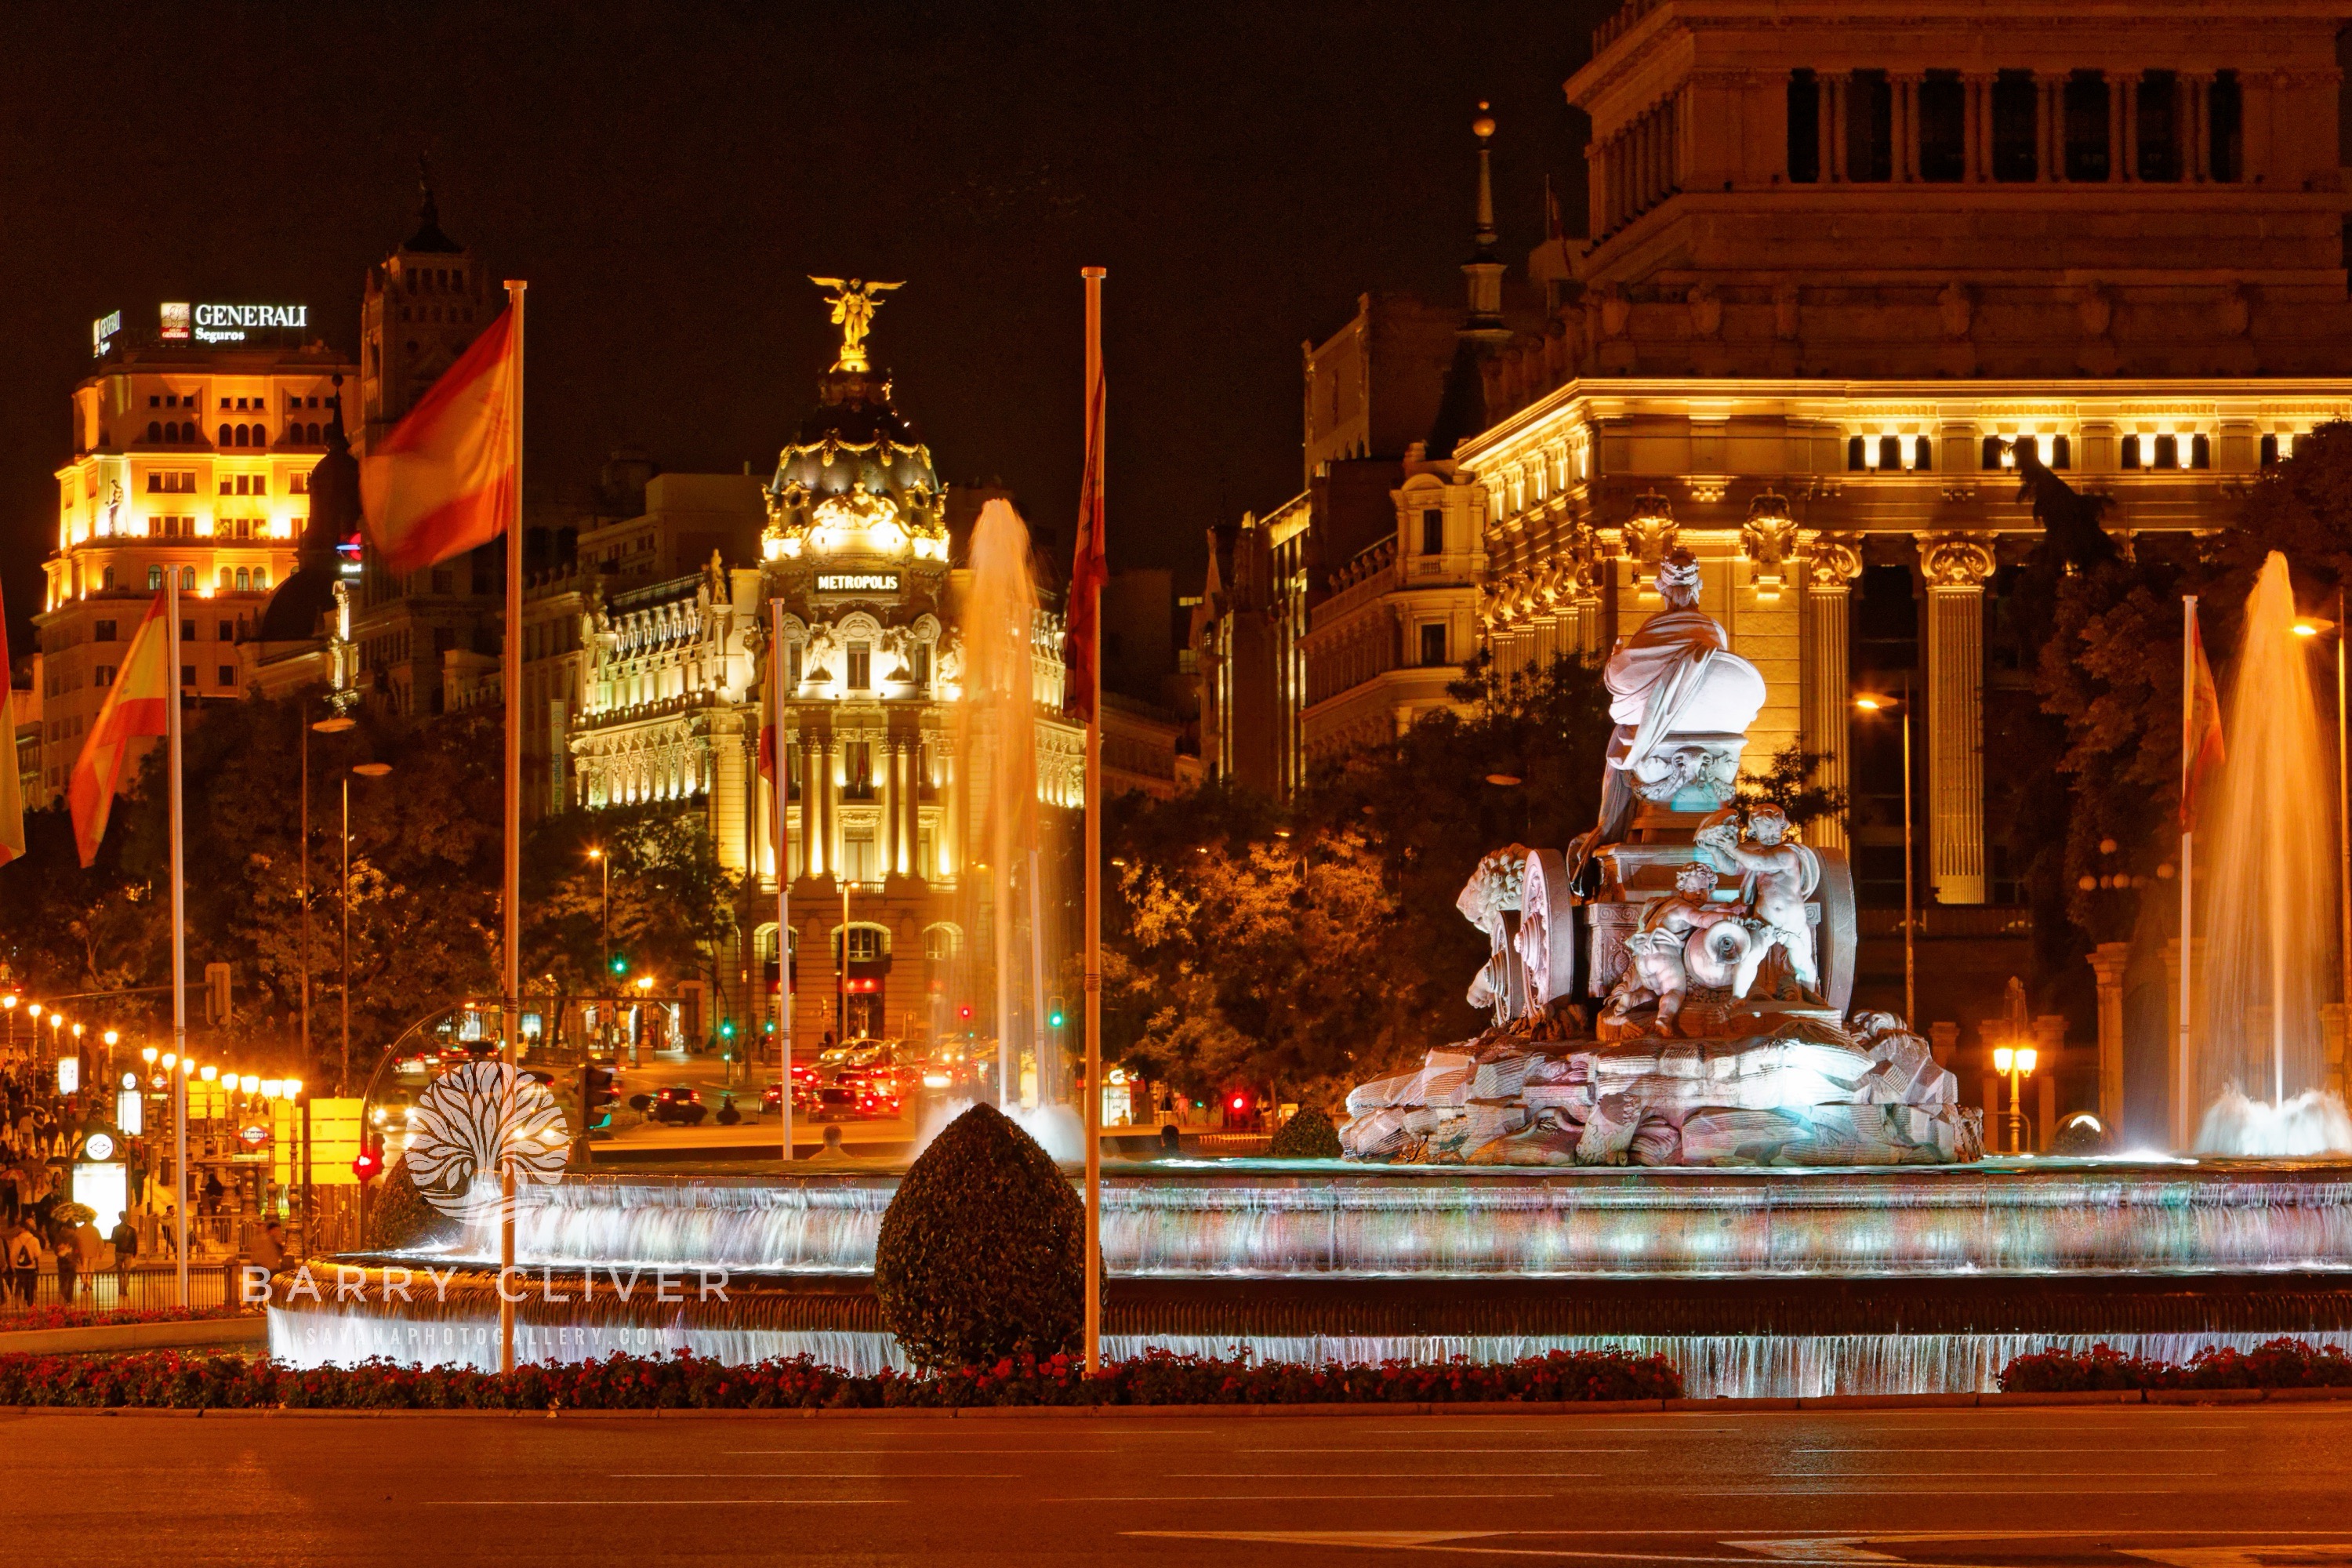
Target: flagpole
<point>784,875</point>
<point>511,986</point>
<point>179,924</point>
<point>1096,427</point>
<point>2182,1098</point>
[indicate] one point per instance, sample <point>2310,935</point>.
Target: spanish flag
<point>12,794</point>
<point>137,706</point>
<point>444,480</point>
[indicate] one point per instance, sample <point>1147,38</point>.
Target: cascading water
<point>2269,921</point>
<point>996,720</point>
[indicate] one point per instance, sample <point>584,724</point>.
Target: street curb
<point>186,1335</point>
<point>1848,1403</point>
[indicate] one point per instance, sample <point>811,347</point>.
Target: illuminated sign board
<point>857,583</point>
<point>102,330</point>
<point>229,323</point>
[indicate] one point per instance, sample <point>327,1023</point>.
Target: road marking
<point>2072,1475</point>
<point>2241,1556</point>
<point>650,1502</point>
<point>1305,1497</point>
<point>1449,1448</point>
<point>805,1476</point>
<point>1422,1541</point>
<point>2102,1448</point>
<point>1361,1475</point>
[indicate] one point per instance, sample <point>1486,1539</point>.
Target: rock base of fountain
<point>1809,1094</point>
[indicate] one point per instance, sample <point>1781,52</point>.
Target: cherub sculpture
<point>1779,877</point>
<point>1658,969</point>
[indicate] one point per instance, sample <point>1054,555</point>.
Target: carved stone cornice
<point>1957,560</point>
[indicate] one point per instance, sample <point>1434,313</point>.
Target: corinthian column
<point>1956,566</point>
<point>1832,564</point>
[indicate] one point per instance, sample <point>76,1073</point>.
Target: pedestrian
<point>68,1248</point>
<point>269,1248</point>
<point>126,1247</point>
<point>25,1260</point>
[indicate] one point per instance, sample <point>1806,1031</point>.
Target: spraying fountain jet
<point>2270,927</point>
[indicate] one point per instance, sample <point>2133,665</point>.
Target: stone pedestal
<point>1943,1039</point>
<point>1956,566</point>
<point>2108,962</point>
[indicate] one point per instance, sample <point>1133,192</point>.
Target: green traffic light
<point>620,964</point>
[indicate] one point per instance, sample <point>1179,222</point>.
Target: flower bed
<point>2278,1364</point>
<point>686,1381</point>
<point>29,1318</point>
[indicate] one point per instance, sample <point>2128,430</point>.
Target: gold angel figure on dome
<point>853,312</point>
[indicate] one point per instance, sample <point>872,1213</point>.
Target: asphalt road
<point>2195,1487</point>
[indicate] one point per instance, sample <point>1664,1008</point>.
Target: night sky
<point>665,175</point>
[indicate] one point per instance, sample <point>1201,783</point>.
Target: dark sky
<point>665,175</point>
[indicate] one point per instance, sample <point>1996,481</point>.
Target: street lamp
<point>2311,627</point>
<point>8,1004</point>
<point>2015,1063</point>
<point>604,930</point>
<point>365,770</point>
<point>1870,704</point>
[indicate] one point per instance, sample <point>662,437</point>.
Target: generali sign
<point>230,324</point>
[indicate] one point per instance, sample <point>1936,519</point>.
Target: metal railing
<point>145,1285</point>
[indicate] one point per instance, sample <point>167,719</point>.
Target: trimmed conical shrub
<point>982,1252</point>
<point>1308,1136</point>
<point>400,1218</point>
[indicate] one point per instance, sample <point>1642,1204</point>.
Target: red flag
<point>444,479</point>
<point>2201,741</point>
<point>138,705</point>
<point>12,790</point>
<point>1089,569</point>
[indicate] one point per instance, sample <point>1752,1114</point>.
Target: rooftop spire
<point>428,235</point>
<point>1484,269</point>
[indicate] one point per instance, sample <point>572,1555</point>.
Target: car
<point>804,1096</point>
<point>679,1104</point>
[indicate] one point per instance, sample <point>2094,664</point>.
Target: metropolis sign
<point>229,323</point>
<point>857,583</point>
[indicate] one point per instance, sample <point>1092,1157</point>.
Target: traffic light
<point>596,1089</point>
<point>1054,1011</point>
<point>368,1164</point>
<point>218,979</point>
<point>620,964</point>
<point>726,1028</point>
<point>964,1012</point>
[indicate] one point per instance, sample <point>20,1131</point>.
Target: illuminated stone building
<point>1838,260</point>
<point>878,804</point>
<point>193,446</point>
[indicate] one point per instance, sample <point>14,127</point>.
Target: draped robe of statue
<point>1676,690</point>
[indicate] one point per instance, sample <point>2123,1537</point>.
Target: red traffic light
<point>368,1164</point>
<point>1240,1103</point>
<point>964,1011</point>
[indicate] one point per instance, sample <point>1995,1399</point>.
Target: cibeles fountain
<point>1675,1137</point>
<point>1671,988</point>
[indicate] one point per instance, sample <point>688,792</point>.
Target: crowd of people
<point>42,1230</point>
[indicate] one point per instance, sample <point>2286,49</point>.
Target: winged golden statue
<point>854,305</point>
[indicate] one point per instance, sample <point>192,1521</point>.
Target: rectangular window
<point>1943,127</point>
<point>188,675</point>
<point>793,670</point>
<point>105,633</point>
<point>106,674</point>
<point>155,585</point>
<point>2159,130</point>
<point>1432,642</point>
<point>2131,450</point>
<point>2225,115</point>
<point>857,770</point>
<point>228,675</point>
<point>187,631</point>
<point>859,864</point>
<point>1870,127</point>
<point>861,666</point>
<point>1433,532</point>
<point>2086,126</point>
<point>1804,127</point>
<point>227,631</point>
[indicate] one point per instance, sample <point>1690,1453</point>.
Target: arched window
<point>2168,452</point>
<point>2030,444</point>
<point>154,579</point>
<point>109,579</point>
<point>2201,451</point>
<point>244,580</point>
<point>155,429</point>
<point>224,434</point>
<point>2270,450</point>
<point>314,435</point>
<point>187,579</point>
<point>260,579</point>
<point>2062,452</point>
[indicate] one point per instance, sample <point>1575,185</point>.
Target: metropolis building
<point>1839,258</point>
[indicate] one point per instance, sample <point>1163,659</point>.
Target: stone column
<point>2114,130</point>
<point>2108,962</point>
<point>811,805</point>
<point>1834,155</point>
<point>1977,128</point>
<point>1825,117</point>
<point>2130,120</point>
<point>886,831</point>
<point>2050,134</point>
<point>911,820</point>
<point>1956,566</point>
<point>1907,127</point>
<point>2199,88</point>
<point>1832,564</point>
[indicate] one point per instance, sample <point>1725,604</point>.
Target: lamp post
<point>605,928</point>
<point>8,1005</point>
<point>1910,917</point>
<point>333,724</point>
<point>365,770</point>
<point>2016,1063</point>
<point>2334,630</point>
